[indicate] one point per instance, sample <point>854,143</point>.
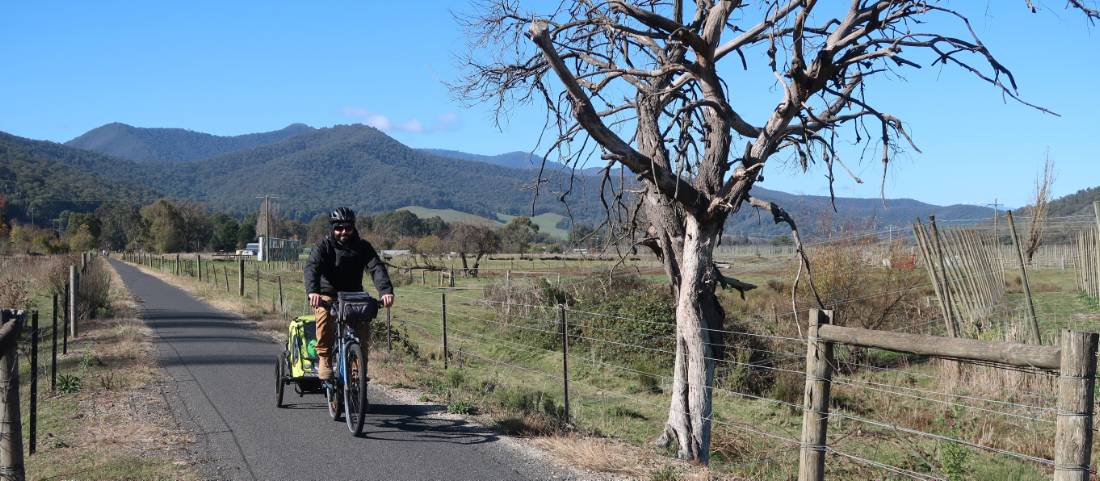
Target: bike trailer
<point>301,342</point>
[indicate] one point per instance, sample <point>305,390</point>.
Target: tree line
<point>170,226</point>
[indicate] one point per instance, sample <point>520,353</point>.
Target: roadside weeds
<point>106,420</point>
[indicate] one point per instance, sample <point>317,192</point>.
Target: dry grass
<point>115,426</point>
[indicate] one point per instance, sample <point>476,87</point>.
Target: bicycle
<point>348,388</point>
<point>346,392</point>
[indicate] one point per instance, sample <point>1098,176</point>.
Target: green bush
<point>68,384</point>
<point>460,407</point>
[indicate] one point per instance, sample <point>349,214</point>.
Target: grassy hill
<point>451,215</point>
<point>547,222</point>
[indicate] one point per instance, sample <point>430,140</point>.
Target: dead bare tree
<point>645,84</point>
<point>1039,207</point>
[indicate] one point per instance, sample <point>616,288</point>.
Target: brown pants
<point>326,329</point>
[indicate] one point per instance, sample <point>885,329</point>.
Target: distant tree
<point>518,234</point>
<point>317,228</point>
<point>475,240</point>
<point>1040,205</point>
<point>292,229</point>
<point>165,226</point>
<point>27,238</point>
<point>121,225</point>
<point>82,240</point>
<point>430,245</point>
<point>247,231</point>
<point>78,220</point>
<point>782,240</point>
<point>198,228</point>
<point>398,223</point>
<point>585,236</point>
<point>225,230</point>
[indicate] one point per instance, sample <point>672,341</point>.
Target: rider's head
<point>343,223</point>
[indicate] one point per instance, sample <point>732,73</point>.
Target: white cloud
<point>384,123</point>
<point>411,126</point>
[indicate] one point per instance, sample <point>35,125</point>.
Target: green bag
<point>301,342</point>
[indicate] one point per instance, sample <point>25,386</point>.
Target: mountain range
<point>311,169</point>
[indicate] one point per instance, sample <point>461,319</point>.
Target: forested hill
<point>147,145</point>
<point>362,167</point>
<point>512,160</point>
<point>814,213</point>
<point>1077,203</point>
<point>359,166</point>
<point>41,179</point>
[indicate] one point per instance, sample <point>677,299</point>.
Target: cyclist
<point>337,264</point>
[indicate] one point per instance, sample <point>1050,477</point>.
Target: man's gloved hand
<point>314,300</point>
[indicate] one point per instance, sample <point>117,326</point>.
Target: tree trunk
<point>697,312</point>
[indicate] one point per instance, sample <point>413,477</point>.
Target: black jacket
<point>333,267</point>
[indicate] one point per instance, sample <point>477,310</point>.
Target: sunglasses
<point>342,228</point>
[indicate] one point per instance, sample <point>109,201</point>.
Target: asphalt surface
<point>220,379</point>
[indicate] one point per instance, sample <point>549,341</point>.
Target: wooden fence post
<point>74,288</point>
<point>508,295</point>
<point>443,314</point>
<point>53,349</point>
<point>1077,376</point>
<point>11,427</point>
<point>177,264</point>
<point>282,301</point>
<point>389,332</point>
<point>65,323</point>
<point>32,440</point>
<point>815,404</point>
<point>564,323</point>
<point>1035,337</point>
<point>257,282</point>
<point>240,276</point>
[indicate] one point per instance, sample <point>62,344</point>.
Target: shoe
<point>324,368</point>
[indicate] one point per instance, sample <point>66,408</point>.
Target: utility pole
<point>996,213</point>
<point>265,222</point>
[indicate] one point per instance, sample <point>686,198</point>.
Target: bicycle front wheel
<point>355,387</point>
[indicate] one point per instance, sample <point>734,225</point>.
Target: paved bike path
<point>220,373</point>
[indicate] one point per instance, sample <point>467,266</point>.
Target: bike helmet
<point>343,215</point>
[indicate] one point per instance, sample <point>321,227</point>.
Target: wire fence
<point>893,416</point>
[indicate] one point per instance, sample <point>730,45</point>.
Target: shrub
<point>460,407</point>
<point>68,384</point>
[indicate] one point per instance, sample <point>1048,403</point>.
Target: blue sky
<point>231,68</point>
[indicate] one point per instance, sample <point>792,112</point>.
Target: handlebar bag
<point>357,306</point>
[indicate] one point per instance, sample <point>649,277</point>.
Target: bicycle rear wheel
<point>280,378</point>
<point>355,387</point>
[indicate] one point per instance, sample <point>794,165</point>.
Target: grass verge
<point>106,419</point>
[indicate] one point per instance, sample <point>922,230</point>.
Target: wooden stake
<point>1035,336</point>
